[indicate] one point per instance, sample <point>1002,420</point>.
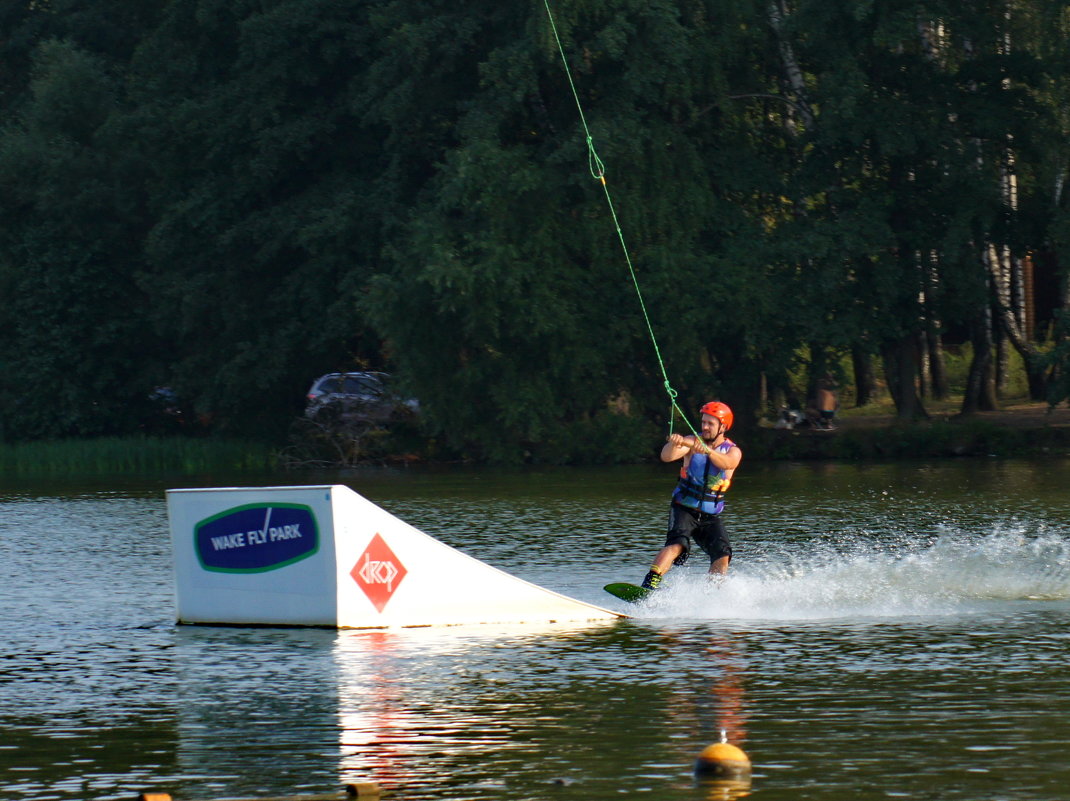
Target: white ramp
<point>326,556</point>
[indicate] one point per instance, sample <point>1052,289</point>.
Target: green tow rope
<point>598,171</point>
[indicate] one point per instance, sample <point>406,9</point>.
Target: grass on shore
<point>133,455</point>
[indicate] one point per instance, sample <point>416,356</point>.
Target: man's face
<point>711,427</point>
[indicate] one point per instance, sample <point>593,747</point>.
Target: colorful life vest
<point>702,484</point>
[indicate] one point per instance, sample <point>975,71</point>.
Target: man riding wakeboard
<point>709,463</point>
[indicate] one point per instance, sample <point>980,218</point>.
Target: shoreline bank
<point>1023,430</point>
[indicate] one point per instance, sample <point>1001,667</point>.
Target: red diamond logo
<point>378,572</point>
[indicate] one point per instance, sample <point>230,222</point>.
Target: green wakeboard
<point>628,592</point>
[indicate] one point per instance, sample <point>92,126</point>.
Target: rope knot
<point>598,169</point>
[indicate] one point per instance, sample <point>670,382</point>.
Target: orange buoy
<point>722,759</point>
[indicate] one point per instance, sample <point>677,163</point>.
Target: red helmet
<point>720,411</point>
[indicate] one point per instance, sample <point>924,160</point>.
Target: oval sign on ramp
<point>256,537</point>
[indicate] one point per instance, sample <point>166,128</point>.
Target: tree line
<point>227,198</point>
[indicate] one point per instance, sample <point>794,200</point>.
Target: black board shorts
<point>708,531</point>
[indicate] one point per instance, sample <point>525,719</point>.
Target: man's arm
<point>678,446</point>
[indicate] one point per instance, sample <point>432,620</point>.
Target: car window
<point>332,384</point>
<point>362,385</point>
<point>373,385</point>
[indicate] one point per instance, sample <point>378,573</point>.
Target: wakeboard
<point>628,592</point>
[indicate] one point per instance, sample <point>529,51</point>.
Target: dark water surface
<point>887,631</point>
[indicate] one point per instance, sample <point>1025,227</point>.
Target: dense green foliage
<point>229,198</point>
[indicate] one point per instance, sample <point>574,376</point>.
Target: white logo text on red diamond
<point>378,572</point>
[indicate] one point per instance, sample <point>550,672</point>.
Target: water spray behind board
<point>959,573</point>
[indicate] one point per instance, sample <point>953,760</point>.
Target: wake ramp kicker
<point>326,556</point>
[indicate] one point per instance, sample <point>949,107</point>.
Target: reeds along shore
<point>133,455</point>
<point>148,455</point>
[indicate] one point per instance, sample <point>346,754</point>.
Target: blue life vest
<point>702,484</point>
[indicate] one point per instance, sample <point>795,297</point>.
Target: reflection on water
<point>723,789</point>
<point>886,630</point>
<point>449,706</point>
<point>522,711</point>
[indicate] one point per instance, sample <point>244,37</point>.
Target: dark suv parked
<point>356,396</point>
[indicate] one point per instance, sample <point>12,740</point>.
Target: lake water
<point>887,631</point>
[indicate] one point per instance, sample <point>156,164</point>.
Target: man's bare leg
<point>666,556</point>
<point>662,562</point>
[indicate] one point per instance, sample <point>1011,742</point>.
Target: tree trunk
<point>932,349</point>
<point>865,379</point>
<point>745,395</point>
<point>922,345</point>
<point>1006,271</point>
<point>1009,325</point>
<point>980,393</point>
<point>938,367</point>
<point>819,367</point>
<point>901,369</point>
<point>792,72</point>
<point>1003,362</point>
